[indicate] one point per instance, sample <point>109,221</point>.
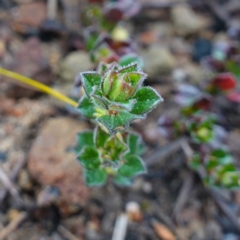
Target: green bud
<point>120,87</point>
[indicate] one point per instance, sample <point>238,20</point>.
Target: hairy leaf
<point>134,143</point>
<point>84,139</point>
<point>121,180</point>
<point>132,166</point>
<point>95,177</point>
<point>89,158</point>
<point>86,107</point>
<point>147,98</point>
<point>100,137</point>
<point>90,79</point>
<point>115,123</point>
<point>130,59</point>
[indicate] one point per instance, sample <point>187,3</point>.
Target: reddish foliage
<point>225,81</point>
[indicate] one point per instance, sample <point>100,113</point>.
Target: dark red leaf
<point>225,81</point>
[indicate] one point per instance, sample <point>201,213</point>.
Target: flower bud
<point>118,86</point>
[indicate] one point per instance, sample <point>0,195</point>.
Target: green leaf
<point>89,158</point>
<point>91,41</point>
<point>233,67</point>
<point>116,123</point>
<point>100,137</point>
<point>84,139</point>
<point>222,156</point>
<point>90,79</point>
<point>119,106</point>
<point>102,67</point>
<point>101,52</point>
<point>130,59</point>
<point>122,181</point>
<point>128,68</point>
<point>86,107</point>
<point>134,78</point>
<point>133,165</point>
<point>95,177</point>
<point>147,98</point>
<point>98,100</point>
<point>230,180</point>
<point>135,144</point>
<point>211,164</point>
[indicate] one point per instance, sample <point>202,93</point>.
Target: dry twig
<point>183,196</point>
<point>8,184</point>
<point>13,225</point>
<point>164,152</point>
<point>67,234</point>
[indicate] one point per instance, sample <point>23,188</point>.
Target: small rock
<point>158,60</point>
<point>29,16</point>
<point>74,63</point>
<point>195,73</point>
<point>133,211</point>
<point>12,214</point>
<point>201,48</point>
<point>186,21</point>
<point>52,162</point>
<point>24,180</point>
<point>180,47</point>
<point>179,75</point>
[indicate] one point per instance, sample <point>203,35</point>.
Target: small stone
<point>201,48</point>
<point>158,60</point>
<point>179,75</point>
<point>133,211</point>
<point>74,63</point>
<point>24,180</point>
<point>195,73</point>
<point>186,21</point>
<point>52,161</point>
<point>12,214</point>
<point>29,16</point>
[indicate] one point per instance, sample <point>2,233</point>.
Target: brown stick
<point>183,196</point>
<point>164,152</point>
<point>67,234</point>
<point>13,225</point>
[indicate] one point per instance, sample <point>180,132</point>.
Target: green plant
<point>114,97</point>
<point>203,127</point>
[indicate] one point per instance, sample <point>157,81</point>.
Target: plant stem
<point>38,86</point>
